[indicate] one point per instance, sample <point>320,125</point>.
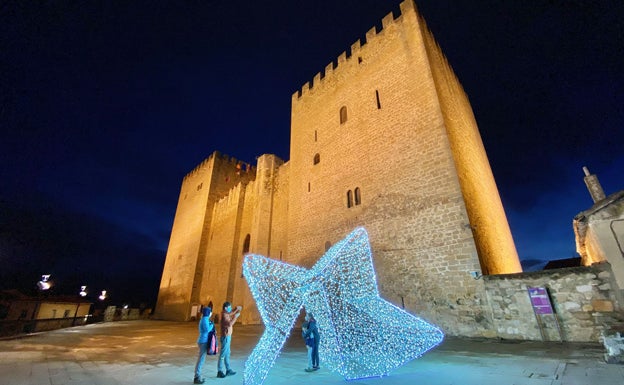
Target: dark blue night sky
<point>105,106</point>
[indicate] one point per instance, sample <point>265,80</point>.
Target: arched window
<point>317,158</point>
<point>358,199</point>
<point>245,249</point>
<point>246,244</point>
<point>343,114</point>
<point>349,199</point>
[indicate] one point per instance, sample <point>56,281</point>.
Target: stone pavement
<point>159,352</point>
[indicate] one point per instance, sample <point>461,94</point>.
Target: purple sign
<point>540,300</point>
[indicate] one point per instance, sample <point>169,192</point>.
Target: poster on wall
<point>540,300</point>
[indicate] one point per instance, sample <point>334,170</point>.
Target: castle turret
<point>180,293</point>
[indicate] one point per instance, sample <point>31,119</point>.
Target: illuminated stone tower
<point>183,273</point>
<point>383,138</point>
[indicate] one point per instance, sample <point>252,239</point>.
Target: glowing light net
<point>362,335</point>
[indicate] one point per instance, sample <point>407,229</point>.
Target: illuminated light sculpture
<point>362,335</point>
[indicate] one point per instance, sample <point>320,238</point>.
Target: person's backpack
<point>213,346</point>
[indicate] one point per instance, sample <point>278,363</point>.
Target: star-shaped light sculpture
<point>362,335</point>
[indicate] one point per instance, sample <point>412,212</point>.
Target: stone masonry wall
<point>393,147</point>
<point>495,245</point>
<point>176,284</point>
<point>183,272</point>
<point>401,143</point>
<point>222,240</point>
<point>584,301</point>
<point>279,234</point>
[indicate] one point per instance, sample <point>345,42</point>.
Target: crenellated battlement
<point>238,166</point>
<point>358,50</point>
<point>229,201</point>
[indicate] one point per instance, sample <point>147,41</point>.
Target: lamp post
<point>45,283</point>
<point>83,293</point>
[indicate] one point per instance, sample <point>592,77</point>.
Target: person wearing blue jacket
<point>205,327</point>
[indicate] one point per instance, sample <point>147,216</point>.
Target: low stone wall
<point>586,302</point>
<point>113,313</point>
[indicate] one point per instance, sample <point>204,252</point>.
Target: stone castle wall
<point>183,272</point>
<point>394,146</point>
<point>488,221</point>
<point>585,302</point>
<point>181,260</point>
<point>384,138</point>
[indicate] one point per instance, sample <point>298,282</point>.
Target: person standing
<point>205,327</point>
<point>228,319</point>
<point>314,332</point>
<point>308,337</point>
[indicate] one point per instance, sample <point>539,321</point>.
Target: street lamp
<point>102,296</point>
<point>45,282</point>
<point>83,291</point>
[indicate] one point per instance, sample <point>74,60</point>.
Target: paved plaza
<point>159,352</point>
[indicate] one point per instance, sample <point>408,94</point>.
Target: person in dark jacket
<point>312,332</point>
<point>308,337</point>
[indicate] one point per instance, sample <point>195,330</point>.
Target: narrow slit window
<point>315,136</point>
<point>246,248</point>
<point>358,199</point>
<point>246,244</point>
<point>349,199</point>
<point>308,186</point>
<point>378,101</point>
<point>343,114</point>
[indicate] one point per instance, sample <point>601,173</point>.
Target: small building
<point>20,313</point>
<point>599,230</point>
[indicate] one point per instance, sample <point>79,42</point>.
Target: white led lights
<point>362,335</point>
